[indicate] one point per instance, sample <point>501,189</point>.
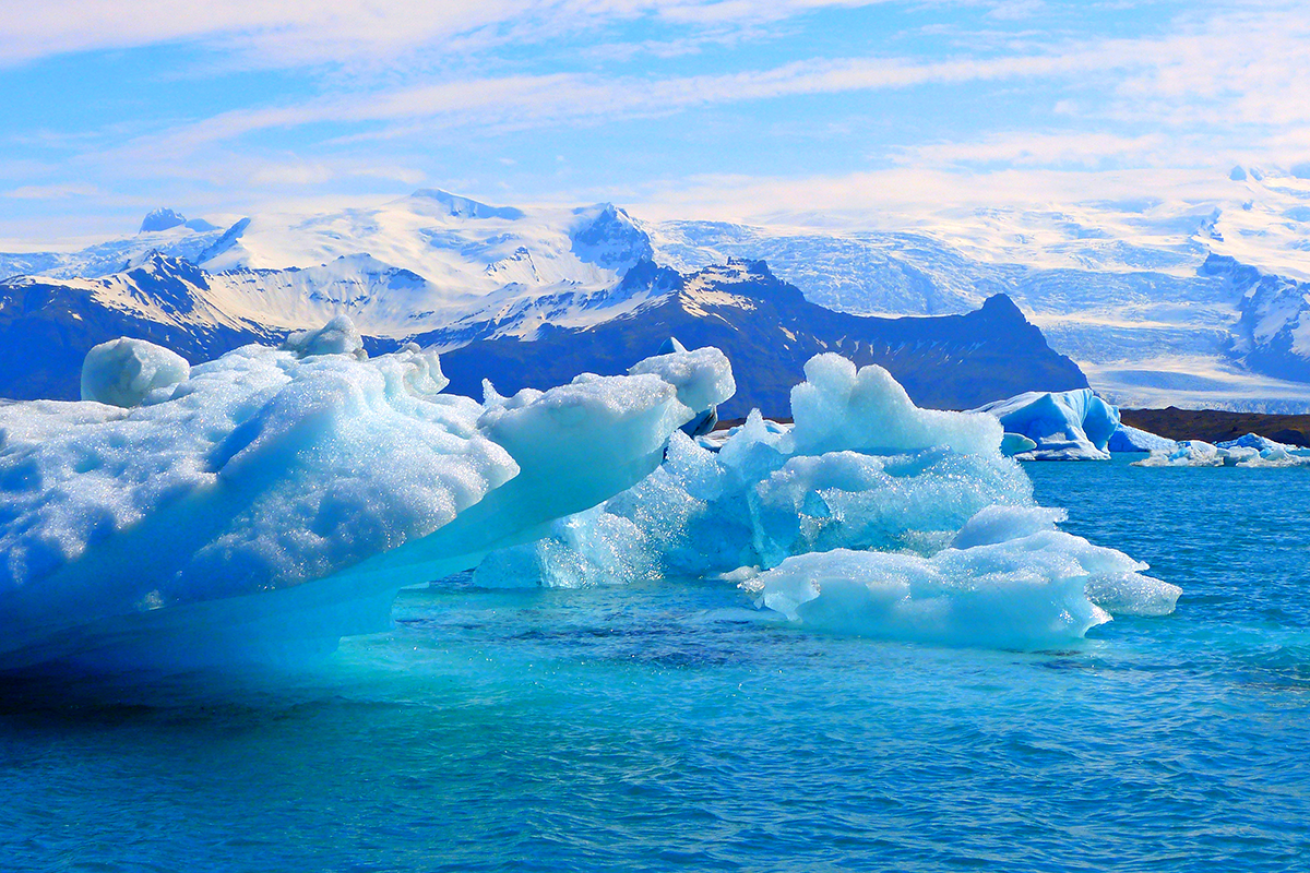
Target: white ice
<point>1257,442</point>
<point>1066,426</point>
<point>124,372</point>
<point>1130,439</point>
<point>870,516</point>
<point>1197,453</point>
<point>275,499</point>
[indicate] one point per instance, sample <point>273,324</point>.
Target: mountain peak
<point>464,207</point>
<point>162,219</point>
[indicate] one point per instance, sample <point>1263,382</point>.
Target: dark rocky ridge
<point>768,331</point>
<point>764,325</point>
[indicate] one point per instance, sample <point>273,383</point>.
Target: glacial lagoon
<point>671,725</point>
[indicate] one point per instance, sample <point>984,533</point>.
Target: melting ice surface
<point>868,516</point>
<point>1057,426</point>
<point>274,500</point>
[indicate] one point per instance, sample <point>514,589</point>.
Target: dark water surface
<point>672,726</point>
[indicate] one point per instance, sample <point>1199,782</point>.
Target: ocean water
<point>672,726</point>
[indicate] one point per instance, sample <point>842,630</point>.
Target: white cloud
<point>51,192</point>
<point>295,32</point>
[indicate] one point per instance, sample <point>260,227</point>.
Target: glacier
<point>1060,426</point>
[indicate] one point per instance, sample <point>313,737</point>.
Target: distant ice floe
<point>1056,426</point>
<point>868,516</point>
<point>1248,451</point>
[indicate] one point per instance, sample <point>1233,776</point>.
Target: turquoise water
<point>670,726</point>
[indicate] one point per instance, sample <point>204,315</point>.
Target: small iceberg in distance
<point>1061,426</point>
<point>262,505</point>
<point>1243,452</point>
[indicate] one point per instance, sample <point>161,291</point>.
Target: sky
<point>782,110</point>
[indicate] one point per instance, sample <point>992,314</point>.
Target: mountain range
<point>1168,309</point>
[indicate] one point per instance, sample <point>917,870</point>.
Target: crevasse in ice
<point>868,516</point>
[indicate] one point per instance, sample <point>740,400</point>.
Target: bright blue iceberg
<point>1065,426</point>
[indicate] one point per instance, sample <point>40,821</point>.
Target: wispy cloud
<point>51,192</point>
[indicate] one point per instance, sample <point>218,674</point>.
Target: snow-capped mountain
<point>1186,303</point>
<point>1131,290</point>
<point>769,330</point>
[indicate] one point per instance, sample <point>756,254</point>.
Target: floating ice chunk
<point>1022,593</point>
<point>279,498</point>
<point>1016,444</point>
<point>338,337</point>
<point>850,500</point>
<point>1066,426</point>
<point>1257,442</point>
<point>1131,439</point>
<point>1196,453</point>
<point>124,372</point>
<point>703,378</point>
<point>998,524</point>
<point>840,408</point>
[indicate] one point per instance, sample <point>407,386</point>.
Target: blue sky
<point>717,109</point>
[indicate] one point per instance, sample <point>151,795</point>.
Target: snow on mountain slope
<point>1197,303</point>
<point>113,256</point>
<point>1188,301</point>
<point>459,245</point>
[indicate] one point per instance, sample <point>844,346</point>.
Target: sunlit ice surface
<point>670,723</point>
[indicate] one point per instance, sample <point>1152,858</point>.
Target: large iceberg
<point>869,516</point>
<point>273,500</point>
<point>1064,426</point>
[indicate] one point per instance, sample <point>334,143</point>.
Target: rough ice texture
<point>309,478</point>
<point>1257,442</point>
<point>838,407</point>
<point>703,377</point>
<point>1032,591</point>
<point>1197,453</point>
<point>1131,439</point>
<point>869,516</point>
<point>1066,426</point>
<point>338,337</point>
<point>124,372</point>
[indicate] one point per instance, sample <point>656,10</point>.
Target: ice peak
<point>162,219</point>
<point>464,207</point>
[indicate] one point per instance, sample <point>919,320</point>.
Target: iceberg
<point>264,504</point>
<point>1197,453</point>
<point>1064,426</point>
<point>1257,442</point>
<point>868,516</point>
<point>124,372</point>
<point>1127,439</point>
